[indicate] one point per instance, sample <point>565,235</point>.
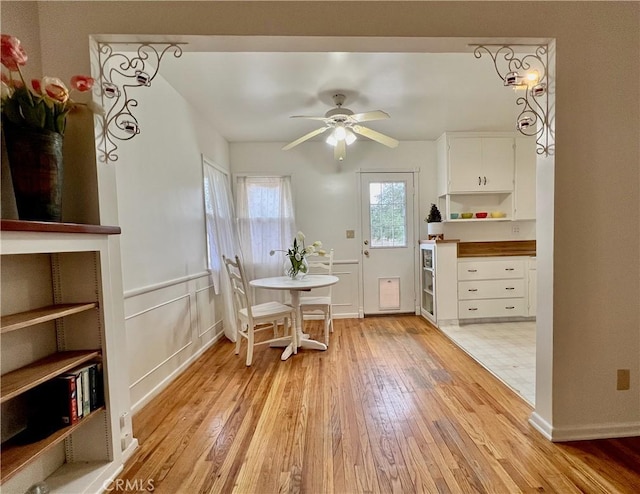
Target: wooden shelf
<point>15,457</point>
<point>28,318</point>
<point>44,226</point>
<point>477,220</point>
<point>20,380</point>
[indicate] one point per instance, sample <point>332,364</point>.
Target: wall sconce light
<point>524,123</point>
<point>538,90</point>
<point>534,118</point>
<point>512,79</point>
<point>119,72</point>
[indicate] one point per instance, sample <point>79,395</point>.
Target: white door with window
<point>388,245</point>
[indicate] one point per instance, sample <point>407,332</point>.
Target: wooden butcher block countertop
<point>494,249</point>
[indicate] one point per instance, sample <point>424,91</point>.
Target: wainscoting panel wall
<point>168,325</point>
<point>346,293</point>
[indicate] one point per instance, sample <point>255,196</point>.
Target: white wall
<point>594,321</point>
<point>171,311</point>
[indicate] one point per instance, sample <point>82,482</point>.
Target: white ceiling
<point>249,96</point>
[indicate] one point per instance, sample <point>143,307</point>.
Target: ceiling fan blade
<point>370,115</point>
<point>376,136</point>
<point>305,137</point>
<point>340,150</point>
<point>308,117</point>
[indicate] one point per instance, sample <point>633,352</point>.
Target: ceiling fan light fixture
<point>331,140</point>
<point>349,137</point>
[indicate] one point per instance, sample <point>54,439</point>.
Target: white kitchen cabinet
<point>476,163</point>
<point>525,179</point>
<point>438,280</point>
<point>492,287</point>
<point>56,315</point>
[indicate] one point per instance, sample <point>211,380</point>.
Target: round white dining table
<point>295,286</point>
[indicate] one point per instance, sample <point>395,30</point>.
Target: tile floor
<point>506,349</point>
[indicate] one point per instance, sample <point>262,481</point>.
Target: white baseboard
<point>167,380</point>
<point>583,432</point>
<point>128,453</point>
<point>541,425</point>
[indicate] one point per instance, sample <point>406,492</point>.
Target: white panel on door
<point>389,293</point>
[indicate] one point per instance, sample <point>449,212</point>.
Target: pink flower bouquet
<point>43,106</point>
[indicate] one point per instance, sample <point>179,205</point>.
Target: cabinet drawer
<point>470,290</point>
<point>506,307</point>
<point>490,270</point>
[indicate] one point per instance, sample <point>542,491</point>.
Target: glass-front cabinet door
<point>427,267</point>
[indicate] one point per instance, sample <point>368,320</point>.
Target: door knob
<point>366,253</point>
<point>366,242</point>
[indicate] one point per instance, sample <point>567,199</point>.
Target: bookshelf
<point>56,316</point>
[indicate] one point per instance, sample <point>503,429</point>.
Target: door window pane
<point>388,214</point>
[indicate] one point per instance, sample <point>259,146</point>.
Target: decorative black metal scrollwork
<point>119,73</point>
<point>529,72</point>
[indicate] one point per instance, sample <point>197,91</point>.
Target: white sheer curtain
<point>222,237</point>
<point>265,222</point>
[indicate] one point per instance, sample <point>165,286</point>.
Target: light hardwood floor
<point>392,406</point>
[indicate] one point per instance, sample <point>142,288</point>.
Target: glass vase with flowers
<point>295,263</point>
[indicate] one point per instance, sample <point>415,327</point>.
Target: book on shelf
<point>95,386</point>
<point>89,387</point>
<point>76,374</point>
<point>62,395</point>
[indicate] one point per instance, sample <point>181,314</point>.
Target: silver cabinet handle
<point>473,289</point>
<point>510,307</point>
<point>485,180</point>
<point>509,269</point>
<point>510,288</point>
<point>472,270</point>
<point>479,181</point>
<point>472,308</point>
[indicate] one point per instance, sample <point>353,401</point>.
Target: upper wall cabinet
<point>470,162</point>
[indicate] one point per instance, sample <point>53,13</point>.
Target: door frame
<point>416,230</point>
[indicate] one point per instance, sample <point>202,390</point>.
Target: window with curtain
<point>264,206</point>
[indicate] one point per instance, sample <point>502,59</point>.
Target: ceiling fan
<point>345,125</point>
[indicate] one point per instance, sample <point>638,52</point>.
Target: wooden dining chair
<point>320,304</point>
<point>251,318</point>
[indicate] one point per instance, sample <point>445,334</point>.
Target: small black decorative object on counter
<point>434,215</point>
<point>435,230</point>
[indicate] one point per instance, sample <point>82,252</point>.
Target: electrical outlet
<point>515,229</point>
<point>351,234</point>
<point>624,379</point>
